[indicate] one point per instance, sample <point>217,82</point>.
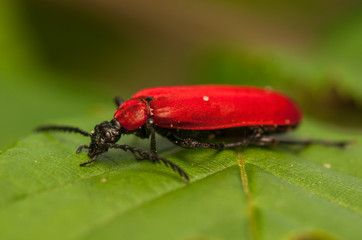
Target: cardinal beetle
<point>210,116</point>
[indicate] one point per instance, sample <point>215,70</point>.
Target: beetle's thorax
<point>103,134</point>
<point>133,114</point>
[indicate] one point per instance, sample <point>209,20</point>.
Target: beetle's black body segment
<point>224,138</point>
<point>222,135</point>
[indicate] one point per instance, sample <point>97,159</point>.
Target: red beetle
<point>209,116</point>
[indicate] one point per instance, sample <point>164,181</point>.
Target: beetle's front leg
<point>150,126</point>
<point>90,161</point>
<point>80,148</point>
<point>150,156</point>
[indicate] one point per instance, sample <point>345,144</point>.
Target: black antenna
<point>62,128</point>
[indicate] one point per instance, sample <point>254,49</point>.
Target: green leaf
<point>289,193</point>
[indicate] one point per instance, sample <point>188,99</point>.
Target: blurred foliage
<point>64,61</point>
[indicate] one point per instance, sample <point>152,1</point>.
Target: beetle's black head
<point>103,134</point>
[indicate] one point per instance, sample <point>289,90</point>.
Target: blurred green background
<point>64,58</point>
<point>63,61</point>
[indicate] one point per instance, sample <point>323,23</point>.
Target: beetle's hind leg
<point>254,141</point>
<point>272,141</point>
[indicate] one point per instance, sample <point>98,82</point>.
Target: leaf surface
<point>314,190</point>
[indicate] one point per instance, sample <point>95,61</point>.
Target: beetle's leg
<point>152,157</point>
<point>80,148</point>
<point>150,126</point>
<point>272,141</point>
<point>153,142</point>
<point>246,140</point>
<point>118,101</point>
<point>241,143</point>
<point>340,144</point>
<point>255,141</point>
<point>90,161</point>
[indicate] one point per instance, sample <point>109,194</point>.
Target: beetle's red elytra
<point>207,108</point>
<point>202,116</point>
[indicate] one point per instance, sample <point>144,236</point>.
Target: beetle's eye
<point>108,135</point>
